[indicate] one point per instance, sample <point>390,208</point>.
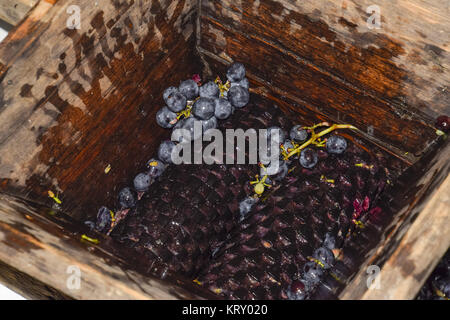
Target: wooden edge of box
<point>13,11</point>
<point>416,251</point>
<point>42,259</point>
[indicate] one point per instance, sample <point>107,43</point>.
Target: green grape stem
<point>315,136</point>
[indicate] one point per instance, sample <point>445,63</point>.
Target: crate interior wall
<point>73,101</point>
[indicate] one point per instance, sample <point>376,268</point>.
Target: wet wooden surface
<point>64,95</point>
<point>38,248</point>
<point>387,82</point>
<point>13,11</point>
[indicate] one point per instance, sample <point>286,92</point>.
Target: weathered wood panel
<point>38,251</point>
<point>294,107</point>
<point>310,37</point>
<point>12,11</point>
<point>63,99</point>
<point>415,240</point>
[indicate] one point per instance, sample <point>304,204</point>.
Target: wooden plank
<point>415,240</point>
<point>321,92</point>
<point>405,62</point>
<point>13,11</point>
<point>70,113</point>
<point>39,252</point>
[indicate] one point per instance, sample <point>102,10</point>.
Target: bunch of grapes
<point>207,103</point>
<point>313,271</point>
<point>185,105</point>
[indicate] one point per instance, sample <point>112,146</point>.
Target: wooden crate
<point>73,101</point>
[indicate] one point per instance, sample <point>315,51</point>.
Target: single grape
<point>238,96</point>
<point>443,123</point>
<point>236,72</point>
<point>209,124</point>
<point>325,256</point>
<point>312,273</point>
<point>245,206</point>
<point>189,89</point>
<point>271,134</point>
<point>176,102</point>
<point>168,92</point>
<point>297,290</point>
<point>165,151</point>
<point>189,125</point>
<point>223,108</point>
<point>279,171</point>
<point>155,168</point>
<point>127,198</point>
<point>298,133</point>
<point>104,220</point>
<point>142,182</point>
<point>204,108</point>
<point>243,83</point>
<point>329,241</point>
<point>166,118</point>
<point>209,90</point>
<point>336,144</point>
<point>308,158</point>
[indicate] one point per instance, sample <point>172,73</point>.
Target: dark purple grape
<point>155,168</point>
<point>189,89</point>
<point>443,123</point>
<point>270,134</point>
<point>297,290</point>
<point>176,102</point>
<point>165,151</point>
<point>329,241</point>
<point>142,182</point>
<point>166,118</point>
<point>223,108</point>
<point>238,96</point>
<point>189,124</point>
<point>209,90</point>
<point>312,273</point>
<point>245,206</point>
<point>298,133</point>
<point>236,72</point>
<point>282,171</point>
<point>336,144</point>
<point>127,198</point>
<point>243,83</point>
<point>209,124</point>
<point>168,92</point>
<point>325,256</point>
<point>308,158</point>
<point>104,220</point>
<point>204,108</point>
<point>278,171</point>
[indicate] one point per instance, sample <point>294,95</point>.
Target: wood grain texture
<point>309,53</point>
<point>13,11</point>
<point>406,60</point>
<point>38,251</point>
<point>415,240</point>
<point>63,98</point>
